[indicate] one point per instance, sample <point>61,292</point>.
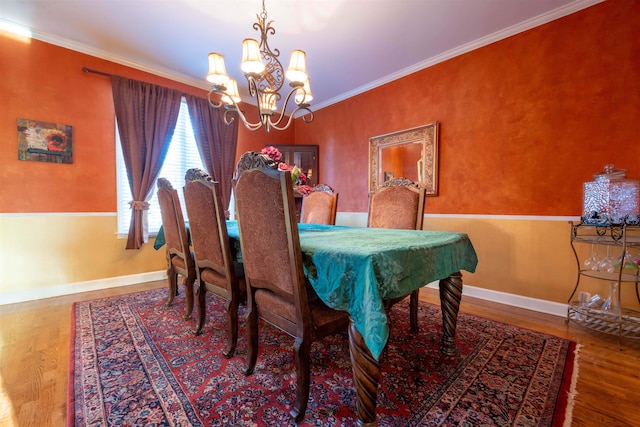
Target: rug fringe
<point>571,395</point>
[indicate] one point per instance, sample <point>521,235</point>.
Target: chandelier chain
<point>263,15</point>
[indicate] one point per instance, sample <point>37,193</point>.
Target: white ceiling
<point>351,45</point>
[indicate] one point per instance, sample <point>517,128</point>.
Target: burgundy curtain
<point>147,116</point>
<point>216,142</point>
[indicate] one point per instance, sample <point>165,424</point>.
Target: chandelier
<point>265,77</point>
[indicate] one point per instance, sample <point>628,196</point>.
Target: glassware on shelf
<point>612,302</point>
<point>594,302</point>
<point>583,299</point>
<point>606,264</point>
<point>626,262</point>
<point>593,262</point>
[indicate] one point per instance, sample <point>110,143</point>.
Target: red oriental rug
<point>136,362</point>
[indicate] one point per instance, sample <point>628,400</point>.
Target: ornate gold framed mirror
<point>410,153</point>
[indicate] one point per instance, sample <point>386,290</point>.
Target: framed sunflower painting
<point>44,142</point>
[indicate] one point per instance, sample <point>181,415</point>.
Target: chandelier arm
<point>213,103</point>
<point>228,119</point>
<point>284,108</point>
<point>253,86</point>
<point>248,124</point>
<point>275,125</point>
<point>302,107</point>
<point>234,106</point>
<point>308,113</point>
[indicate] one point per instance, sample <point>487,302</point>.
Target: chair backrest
<point>175,231</point>
<point>271,245</point>
<point>319,206</point>
<point>398,203</point>
<point>209,237</point>
<point>250,160</point>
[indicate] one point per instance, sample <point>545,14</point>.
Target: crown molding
<point>98,53</point>
<point>568,9</point>
<point>468,47</point>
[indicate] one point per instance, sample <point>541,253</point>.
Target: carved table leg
<point>366,374</point>
<point>450,296</point>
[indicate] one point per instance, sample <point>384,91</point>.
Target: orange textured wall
<point>524,121</point>
<point>46,83</point>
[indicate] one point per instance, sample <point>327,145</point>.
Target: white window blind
<point>182,155</point>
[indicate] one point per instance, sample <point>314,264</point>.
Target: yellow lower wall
<point>531,258</point>
<point>40,251</point>
<point>528,257</point>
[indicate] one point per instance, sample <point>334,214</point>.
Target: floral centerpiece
<point>298,178</point>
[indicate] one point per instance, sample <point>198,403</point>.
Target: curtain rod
<point>102,73</point>
<point>89,70</point>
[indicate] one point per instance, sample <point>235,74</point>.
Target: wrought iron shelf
<point>624,236</point>
<point>626,324</point>
<point>633,241</point>
<point>612,277</point>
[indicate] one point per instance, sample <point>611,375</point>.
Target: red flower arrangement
<point>298,178</point>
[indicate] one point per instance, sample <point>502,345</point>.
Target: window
<point>183,154</point>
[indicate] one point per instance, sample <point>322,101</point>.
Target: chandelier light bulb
<point>232,91</point>
<point>217,74</point>
<point>269,101</point>
<point>297,71</point>
<point>304,96</point>
<point>251,59</point>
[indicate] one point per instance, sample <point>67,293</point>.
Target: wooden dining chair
<point>179,258</point>
<point>399,203</point>
<point>216,271</point>
<point>250,160</point>
<point>319,206</point>
<point>277,289</point>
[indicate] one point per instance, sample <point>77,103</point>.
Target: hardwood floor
<point>35,345</point>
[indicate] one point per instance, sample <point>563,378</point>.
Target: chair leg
<point>413,311</point>
<point>188,285</point>
<point>232,321</point>
<point>172,277</point>
<point>202,307</point>
<point>302,350</point>
<point>252,335</point>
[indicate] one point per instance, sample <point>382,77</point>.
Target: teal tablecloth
<point>355,268</point>
<point>160,240</point>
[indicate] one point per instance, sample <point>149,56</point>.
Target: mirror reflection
<point>401,161</point>
<point>410,154</point>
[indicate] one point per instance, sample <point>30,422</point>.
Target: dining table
<point>355,269</point>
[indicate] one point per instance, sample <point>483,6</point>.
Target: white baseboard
<point>74,288</point>
<point>519,301</point>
